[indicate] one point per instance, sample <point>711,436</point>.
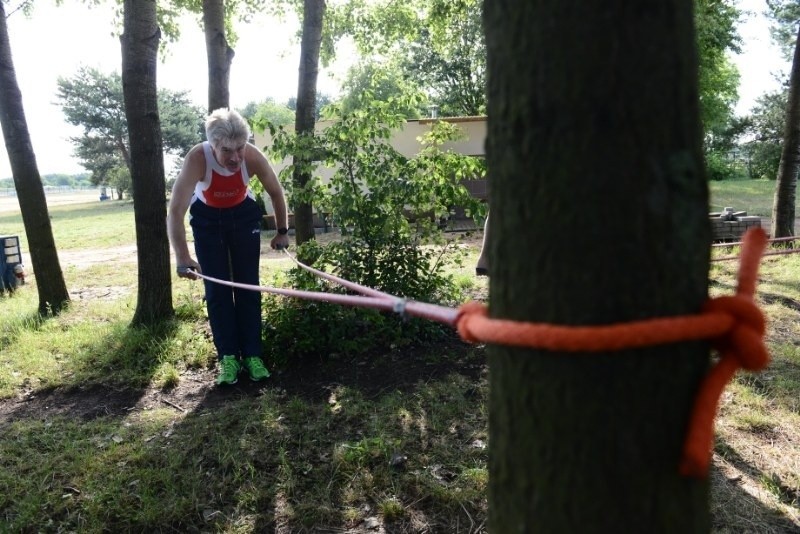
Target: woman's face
<point>230,155</point>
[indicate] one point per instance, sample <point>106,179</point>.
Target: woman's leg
<point>245,257</point>
<point>212,249</point>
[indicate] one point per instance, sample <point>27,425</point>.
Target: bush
<point>297,328</point>
<point>718,168</point>
<point>388,208</point>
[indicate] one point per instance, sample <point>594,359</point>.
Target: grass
<point>753,196</point>
<point>81,226</point>
<point>346,457</point>
<point>157,471</point>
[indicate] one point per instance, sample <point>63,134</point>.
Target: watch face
<point>283,231</point>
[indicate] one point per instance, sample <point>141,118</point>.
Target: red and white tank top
<point>221,188</point>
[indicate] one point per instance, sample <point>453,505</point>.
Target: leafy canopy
<point>718,77</point>
<point>93,100</point>
<point>260,114</point>
<point>370,81</point>
<point>436,48</point>
<point>785,15</point>
<point>766,125</point>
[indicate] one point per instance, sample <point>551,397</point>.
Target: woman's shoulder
<point>195,158</point>
<point>253,154</point>
<point>197,151</point>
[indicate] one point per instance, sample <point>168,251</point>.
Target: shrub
<point>388,208</point>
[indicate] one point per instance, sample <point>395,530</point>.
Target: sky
<point>760,61</point>
<point>56,41</point>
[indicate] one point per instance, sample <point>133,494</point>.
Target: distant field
<point>753,196</point>
<point>54,198</point>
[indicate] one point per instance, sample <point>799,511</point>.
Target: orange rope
<point>734,324</point>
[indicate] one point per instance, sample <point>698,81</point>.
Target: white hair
<point>225,126</point>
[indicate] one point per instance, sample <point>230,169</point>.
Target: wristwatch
<point>283,231</point>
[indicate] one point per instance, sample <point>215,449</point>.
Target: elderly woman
<point>226,224</point>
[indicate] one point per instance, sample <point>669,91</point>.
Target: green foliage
<point>260,115</point>
<point>382,81</point>
<point>321,102</point>
<point>725,158</point>
<point>120,179</point>
<point>718,83</point>
<point>719,167</point>
<point>785,15</point>
<point>447,58</point>
<point>718,78</point>
<point>334,329</point>
<point>436,48</point>
<point>376,194</point>
<point>94,101</point>
<point>328,329</point>
<point>765,158</point>
<point>375,26</point>
<point>182,123</point>
<point>765,127</point>
<point>235,10</point>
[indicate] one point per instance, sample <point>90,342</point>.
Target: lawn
<point>105,428</point>
<point>753,196</point>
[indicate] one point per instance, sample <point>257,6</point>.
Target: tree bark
<point>594,151</point>
<point>783,206</point>
<point>313,14</point>
<point>220,55</point>
<point>53,294</point>
<point>139,41</point>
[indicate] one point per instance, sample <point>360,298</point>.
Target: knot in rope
<point>744,341</point>
<point>466,312</point>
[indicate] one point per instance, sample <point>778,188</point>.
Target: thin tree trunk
<point>53,294</point>
<point>220,55</point>
<point>783,207</point>
<point>594,149</point>
<point>140,40</point>
<point>313,14</point>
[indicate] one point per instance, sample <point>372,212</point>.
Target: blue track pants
<point>227,242</point>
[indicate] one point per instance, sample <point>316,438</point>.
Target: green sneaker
<point>255,368</point>
<point>228,371</point>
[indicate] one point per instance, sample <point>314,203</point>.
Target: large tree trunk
<point>53,294</point>
<point>594,151</point>
<point>313,13</point>
<point>784,204</point>
<point>220,55</point>
<point>139,55</point>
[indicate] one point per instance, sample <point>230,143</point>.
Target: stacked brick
<point>730,225</point>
